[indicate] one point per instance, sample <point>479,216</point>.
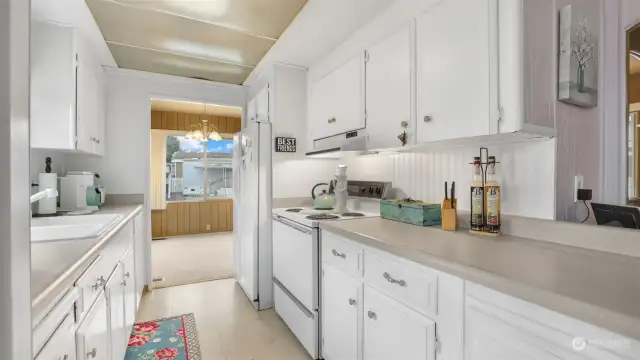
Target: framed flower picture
<point>578,54</point>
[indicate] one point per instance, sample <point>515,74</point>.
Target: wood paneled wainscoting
<point>192,217</point>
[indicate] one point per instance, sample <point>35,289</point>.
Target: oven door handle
<point>292,224</point>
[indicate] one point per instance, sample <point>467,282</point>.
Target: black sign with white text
<point>285,144</point>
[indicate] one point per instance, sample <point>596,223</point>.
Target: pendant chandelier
<point>203,131</point>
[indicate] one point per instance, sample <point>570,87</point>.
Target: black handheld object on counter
<point>625,216</point>
<point>47,165</point>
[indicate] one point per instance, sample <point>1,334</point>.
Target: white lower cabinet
<point>114,289</point>
<point>92,337</point>
<point>62,344</point>
<point>393,331</point>
<point>341,304</point>
<point>130,295</point>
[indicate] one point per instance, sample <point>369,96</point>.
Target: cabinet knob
<point>371,315</point>
<point>65,357</point>
<point>352,302</point>
<point>123,283</point>
<point>427,118</point>
<point>93,353</point>
<point>127,274</point>
<point>331,121</point>
<point>98,141</point>
<point>101,281</point>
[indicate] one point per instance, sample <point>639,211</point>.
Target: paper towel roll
<point>47,181</point>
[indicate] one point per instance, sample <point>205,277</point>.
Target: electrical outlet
<point>208,227</point>
<point>578,183</point>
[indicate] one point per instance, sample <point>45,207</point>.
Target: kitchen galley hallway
<point>191,191</point>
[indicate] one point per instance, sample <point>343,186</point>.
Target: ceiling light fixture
<point>635,54</point>
<point>203,131</point>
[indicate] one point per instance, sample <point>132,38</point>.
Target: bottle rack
<point>484,165</point>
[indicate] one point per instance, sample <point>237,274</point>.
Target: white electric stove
<point>296,259</point>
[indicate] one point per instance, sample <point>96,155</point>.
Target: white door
<point>130,298</point>
<point>114,289</point>
<point>92,337</point>
<point>456,69</point>
<point>393,331</point>
<point>341,304</point>
<point>388,89</point>
<point>248,232</point>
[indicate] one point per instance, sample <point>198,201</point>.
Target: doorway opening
<point>633,116</point>
<point>192,191</point>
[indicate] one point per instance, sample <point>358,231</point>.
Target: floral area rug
<point>173,338</point>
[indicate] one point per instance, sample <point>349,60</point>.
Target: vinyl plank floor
<point>229,328</point>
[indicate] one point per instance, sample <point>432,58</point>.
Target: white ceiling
<point>218,40</point>
<point>195,108</point>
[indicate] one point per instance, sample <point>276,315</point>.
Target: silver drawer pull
<point>352,302</point>
<point>335,253</point>
<point>101,281</point>
<point>93,353</point>
<point>372,315</point>
<point>394,281</point>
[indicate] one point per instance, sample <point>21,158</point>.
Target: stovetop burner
<point>323,217</point>
<point>294,210</point>
<point>352,214</point>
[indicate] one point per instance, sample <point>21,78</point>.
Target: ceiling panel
<point>262,17</point>
<point>135,26</point>
<point>195,108</point>
<point>171,64</point>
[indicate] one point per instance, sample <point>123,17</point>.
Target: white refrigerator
<point>252,168</point>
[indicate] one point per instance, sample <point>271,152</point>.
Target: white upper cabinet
<point>456,70</point>
<point>337,100</point>
<point>388,89</point>
<point>67,91</point>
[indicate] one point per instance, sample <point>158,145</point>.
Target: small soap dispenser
<point>47,180</point>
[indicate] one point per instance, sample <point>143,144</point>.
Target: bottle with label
<point>492,198</point>
<point>477,197</point>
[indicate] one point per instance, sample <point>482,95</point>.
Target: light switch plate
<point>578,184</point>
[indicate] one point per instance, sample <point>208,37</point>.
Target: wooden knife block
<point>449,215</point>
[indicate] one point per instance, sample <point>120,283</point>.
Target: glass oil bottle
<point>477,197</point>
<point>492,199</point>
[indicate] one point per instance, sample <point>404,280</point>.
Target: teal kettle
<point>326,200</point>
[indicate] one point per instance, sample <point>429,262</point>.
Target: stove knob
<point>378,191</point>
<point>363,190</point>
<point>371,191</point>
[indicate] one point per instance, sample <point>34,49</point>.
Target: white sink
<point>70,227</point>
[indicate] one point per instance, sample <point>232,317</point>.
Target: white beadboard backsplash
<point>526,174</point>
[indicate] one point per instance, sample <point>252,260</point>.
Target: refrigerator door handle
<point>292,224</point>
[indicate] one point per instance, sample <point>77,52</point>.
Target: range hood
<point>340,146</point>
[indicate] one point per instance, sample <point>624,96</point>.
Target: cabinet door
<point>130,297</point>
<point>62,344</point>
<point>388,89</point>
<point>139,229</point>
<point>114,289</point>
<point>92,336</point>
<point>337,100</point>
<point>341,298</point>
<point>53,86</point>
<point>87,87</point>
<point>456,70</point>
<point>393,331</point>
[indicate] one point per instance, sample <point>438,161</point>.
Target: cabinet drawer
<point>62,344</point>
<point>341,254</point>
<point>302,324</point>
<point>91,284</point>
<point>412,284</point>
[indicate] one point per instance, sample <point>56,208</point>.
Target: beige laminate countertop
<point>56,265</point>
<point>599,288</point>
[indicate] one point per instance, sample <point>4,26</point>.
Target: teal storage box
<point>411,212</point>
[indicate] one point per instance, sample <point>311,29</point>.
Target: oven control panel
<point>369,189</point>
